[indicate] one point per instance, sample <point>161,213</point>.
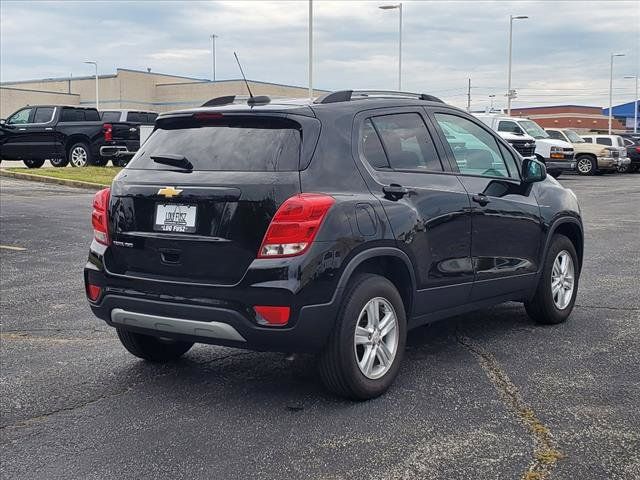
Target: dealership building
<point>133,89</point>
<point>578,117</point>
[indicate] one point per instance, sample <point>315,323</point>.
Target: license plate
<point>175,217</point>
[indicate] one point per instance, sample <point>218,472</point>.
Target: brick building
<point>578,117</point>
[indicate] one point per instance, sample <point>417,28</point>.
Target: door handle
<point>48,128</point>
<point>481,198</point>
<point>22,129</point>
<point>395,191</point>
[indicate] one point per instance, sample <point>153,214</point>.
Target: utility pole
<point>611,88</point>
<point>213,57</point>
<point>635,104</point>
<point>510,92</point>
<point>95,64</point>
<point>311,49</point>
<point>469,96</point>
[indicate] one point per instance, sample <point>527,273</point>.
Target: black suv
<point>333,226</point>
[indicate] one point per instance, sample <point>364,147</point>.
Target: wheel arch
<point>572,229</point>
<point>76,138</point>
<point>389,262</point>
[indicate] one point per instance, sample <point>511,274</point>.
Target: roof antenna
<point>259,100</point>
<point>245,78</point>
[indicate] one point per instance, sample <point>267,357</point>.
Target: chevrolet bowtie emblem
<point>169,192</point>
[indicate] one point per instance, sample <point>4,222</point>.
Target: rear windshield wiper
<point>173,160</point>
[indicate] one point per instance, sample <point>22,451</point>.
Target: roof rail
<point>348,95</point>
<point>215,102</point>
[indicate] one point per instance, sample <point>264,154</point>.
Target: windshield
<point>533,129</point>
<point>573,137</point>
<point>233,144</point>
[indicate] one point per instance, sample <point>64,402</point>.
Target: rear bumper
<point>216,325</point>
<point>116,151</point>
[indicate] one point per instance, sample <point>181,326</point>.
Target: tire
<point>59,162</point>
<point>545,307</point>
<point>339,362</point>
<point>33,163</point>
<point>586,165</point>
<point>79,155</point>
<point>623,168</point>
<point>151,348</point>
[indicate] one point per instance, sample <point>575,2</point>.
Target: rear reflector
<point>268,315</point>
<point>295,225</point>
<point>100,216</point>
<point>93,292</point>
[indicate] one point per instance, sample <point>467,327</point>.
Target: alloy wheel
<point>376,338</point>
<point>562,280</point>
<point>79,157</point>
<point>584,165</point>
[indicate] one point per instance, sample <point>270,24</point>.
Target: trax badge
<point>169,192</point>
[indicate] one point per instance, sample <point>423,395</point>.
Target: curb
<point>58,181</point>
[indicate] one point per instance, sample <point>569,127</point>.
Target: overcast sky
<point>561,53</point>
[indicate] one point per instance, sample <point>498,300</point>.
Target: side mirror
<point>2,121</point>
<point>533,171</point>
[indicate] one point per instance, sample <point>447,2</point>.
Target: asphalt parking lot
<point>484,395</point>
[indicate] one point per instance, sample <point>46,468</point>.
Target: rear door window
<point>43,114</point>
<point>406,142</point>
<point>234,143</point>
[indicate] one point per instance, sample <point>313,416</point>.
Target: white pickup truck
<point>557,155</point>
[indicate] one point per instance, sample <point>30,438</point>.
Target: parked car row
<point>74,135</point>
<point>564,150</point>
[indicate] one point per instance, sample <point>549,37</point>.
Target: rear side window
<point>110,116</point>
<point>406,143</point>
<point>603,141</point>
<point>371,147</point>
<point>245,144</point>
<point>72,115</point>
<point>43,115</point>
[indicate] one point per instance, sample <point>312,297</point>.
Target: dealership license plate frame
<point>183,217</point>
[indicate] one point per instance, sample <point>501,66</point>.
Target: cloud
<point>561,53</point>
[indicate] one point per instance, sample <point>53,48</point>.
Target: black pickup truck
<point>61,134</point>
<point>123,134</point>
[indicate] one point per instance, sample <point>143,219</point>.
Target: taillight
<point>107,129</point>
<point>638,149</point>
<point>269,315</point>
<point>100,216</point>
<point>295,225</point>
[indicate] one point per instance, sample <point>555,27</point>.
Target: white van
<point>557,155</point>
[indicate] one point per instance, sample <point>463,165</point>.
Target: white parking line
<point>10,247</point>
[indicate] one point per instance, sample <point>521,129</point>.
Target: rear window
<point>243,144</point>
<point>136,117</point>
<point>110,116</point>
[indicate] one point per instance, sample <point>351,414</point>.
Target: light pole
<point>311,49</point>
<point>95,64</point>
<point>635,111</point>
<point>213,37</point>
<point>510,94</point>
<point>492,96</point>
<point>611,87</point>
<point>399,7</point>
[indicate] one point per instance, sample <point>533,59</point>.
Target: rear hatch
<point>125,131</point>
<point>205,224</point>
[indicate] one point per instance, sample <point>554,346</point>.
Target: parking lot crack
<point>545,452</point>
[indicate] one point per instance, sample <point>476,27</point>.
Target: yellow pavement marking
<point>10,247</point>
